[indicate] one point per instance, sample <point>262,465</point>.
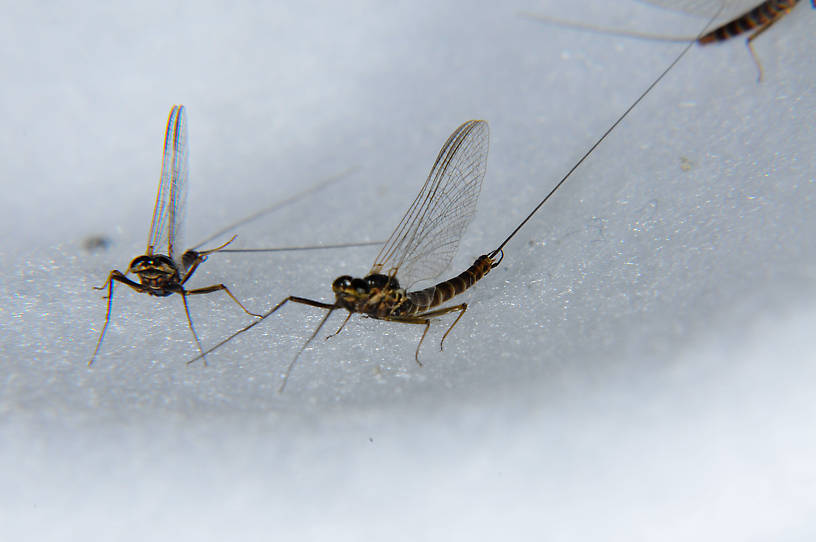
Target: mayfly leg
<point>112,276</point>
<point>425,319</point>
<point>193,259</point>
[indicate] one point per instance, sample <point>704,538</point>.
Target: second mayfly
<point>421,247</point>
<point>165,274</point>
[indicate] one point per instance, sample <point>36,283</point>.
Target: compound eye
<point>360,286</point>
<point>139,263</point>
<point>342,283</point>
<point>376,281</point>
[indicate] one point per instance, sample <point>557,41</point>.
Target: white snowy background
<point>640,367</point>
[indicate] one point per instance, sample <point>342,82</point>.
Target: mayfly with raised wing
<point>164,273</point>
<point>742,16</point>
<point>425,241</point>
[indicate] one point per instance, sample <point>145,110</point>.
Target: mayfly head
<point>352,293</point>
<point>154,271</point>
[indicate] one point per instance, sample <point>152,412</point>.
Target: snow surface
<point>640,367</point>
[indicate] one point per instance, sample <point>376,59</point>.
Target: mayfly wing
<point>168,215</point>
<point>425,241</point>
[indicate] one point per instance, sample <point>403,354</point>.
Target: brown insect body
<point>761,17</point>
<point>422,300</point>
<point>380,296</point>
<point>376,295</point>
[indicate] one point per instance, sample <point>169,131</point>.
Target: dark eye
<point>381,282</point>
<point>342,283</point>
<point>376,281</point>
<point>360,286</point>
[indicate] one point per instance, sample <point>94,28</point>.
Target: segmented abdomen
<point>428,298</point>
<point>766,12</point>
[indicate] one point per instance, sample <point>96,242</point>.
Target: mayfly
<point>163,274</point>
<point>755,20</point>
<point>421,247</point>
<point>425,241</point>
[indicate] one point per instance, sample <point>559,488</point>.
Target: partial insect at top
<point>741,16</point>
<point>168,215</point>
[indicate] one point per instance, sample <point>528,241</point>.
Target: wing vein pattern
<point>168,215</point>
<point>425,241</point>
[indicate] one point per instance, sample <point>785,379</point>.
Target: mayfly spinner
<point>421,247</point>
<point>756,20</point>
<point>426,239</point>
<point>165,274</point>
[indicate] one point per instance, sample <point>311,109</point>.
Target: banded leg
<point>114,275</point>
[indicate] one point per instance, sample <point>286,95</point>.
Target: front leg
<point>114,275</point>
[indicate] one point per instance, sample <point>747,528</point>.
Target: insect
<point>425,241</point>
<point>755,20</point>
<point>421,247</point>
<point>164,274</point>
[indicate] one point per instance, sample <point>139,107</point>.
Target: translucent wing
<point>426,239</point>
<point>168,215</point>
<point>707,8</point>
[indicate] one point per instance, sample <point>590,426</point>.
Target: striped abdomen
<point>762,15</point>
<point>436,295</point>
